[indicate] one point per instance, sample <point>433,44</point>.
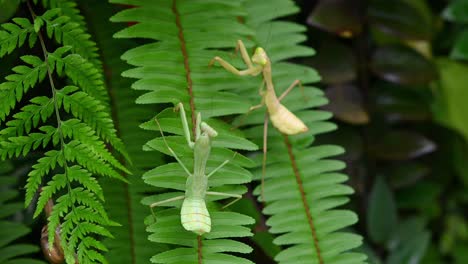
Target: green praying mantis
<point>283,119</point>
<point>194,214</point>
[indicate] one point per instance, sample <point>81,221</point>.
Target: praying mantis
<point>194,215</point>
<point>283,119</point>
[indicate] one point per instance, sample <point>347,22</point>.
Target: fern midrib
<point>183,49</point>
<point>310,219</point>
<point>57,113</point>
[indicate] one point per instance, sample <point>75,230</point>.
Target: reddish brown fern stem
<point>183,49</point>
<point>200,246</point>
<point>310,220</point>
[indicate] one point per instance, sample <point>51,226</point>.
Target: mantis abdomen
<point>286,122</point>
<point>195,217</point>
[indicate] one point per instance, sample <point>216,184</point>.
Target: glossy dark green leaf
<point>402,175</point>
<point>335,63</point>
<point>457,11</point>
<point>410,243</point>
<point>399,18</point>
<point>346,104</point>
<point>8,9</point>
<point>460,50</point>
<point>451,95</point>
<point>382,215</point>
<point>400,145</point>
<point>340,17</point>
<point>399,103</point>
<point>402,65</point>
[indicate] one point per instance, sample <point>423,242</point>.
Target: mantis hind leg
<point>165,201</point>
<point>237,196</point>
<point>294,84</point>
<point>265,141</point>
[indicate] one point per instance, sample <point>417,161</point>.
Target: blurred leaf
<point>398,103</point>
<point>450,105</point>
<point>403,175</point>
<point>410,243</point>
<point>382,213</point>
<point>402,65</point>
<point>399,18</point>
<point>421,46</point>
<point>406,229</point>
<point>340,17</point>
<point>457,11</point>
<point>372,256</point>
<point>335,63</point>
<point>432,255</point>
<point>265,241</point>
<point>400,145</point>
<point>422,196</point>
<point>8,9</point>
<point>460,156</point>
<point>347,137</point>
<point>460,50</point>
<point>346,104</point>
<point>461,253</point>
<point>456,230</point>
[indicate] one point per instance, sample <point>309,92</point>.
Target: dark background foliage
<point>392,71</point>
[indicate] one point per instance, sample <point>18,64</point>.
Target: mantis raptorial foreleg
<point>285,121</point>
<point>194,214</point>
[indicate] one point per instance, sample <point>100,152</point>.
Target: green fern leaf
<point>69,33</point>
<point>19,83</point>
<point>82,73</point>
<point>14,35</point>
<point>91,111</point>
<point>175,69</point>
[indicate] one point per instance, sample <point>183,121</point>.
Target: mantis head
<point>208,130</point>
<point>260,57</point>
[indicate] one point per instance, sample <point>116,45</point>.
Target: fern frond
<point>92,112</point>
<point>83,155</point>
<point>82,73</point>
<point>78,151</point>
<point>175,69</point>
<point>14,35</point>
<point>21,145</point>
<point>41,108</point>
<point>69,33</point>
<point>302,188</point>
<point>19,83</point>
<point>73,128</point>
<point>67,8</point>
<point>12,230</point>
